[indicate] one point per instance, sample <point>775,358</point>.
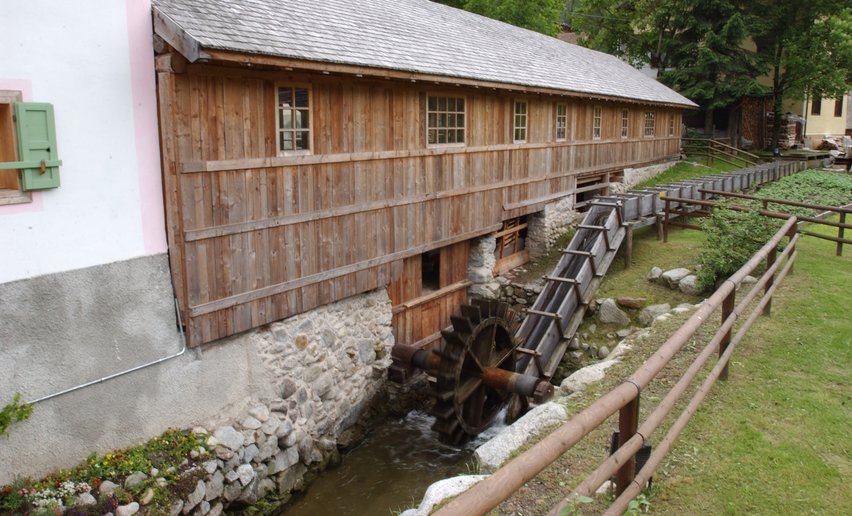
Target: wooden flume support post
<point>666,220</point>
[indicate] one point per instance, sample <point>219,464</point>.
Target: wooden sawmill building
<point>315,151</point>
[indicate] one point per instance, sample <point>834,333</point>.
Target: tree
<point>539,15</point>
<point>809,48</point>
<point>697,45</point>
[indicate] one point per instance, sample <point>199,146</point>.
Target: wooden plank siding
<point>255,237</point>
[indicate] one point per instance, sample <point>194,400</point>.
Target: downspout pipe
<point>128,371</point>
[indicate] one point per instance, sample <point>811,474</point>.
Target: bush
<point>733,237</point>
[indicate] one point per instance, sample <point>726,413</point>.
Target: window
<point>294,113</point>
<point>625,123</point>
<point>561,122</point>
<point>649,124</point>
<point>520,121</point>
<point>816,106</point>
<point>27,146</point>
<point>671,125</point>
<point>596,124</point>
<point>838,107</point>
<point>430,271</point>
<point>444,120</point>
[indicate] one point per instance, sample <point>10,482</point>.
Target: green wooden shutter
<point>37,145</point>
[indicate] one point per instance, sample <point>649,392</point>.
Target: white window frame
<point>671,124</point>
<point>597,119</point>
<point>524,117</point>
<point>309,130</point>
<point>10,195</point>
<point>563,118</point>
<point>625,123</point>
<point>649,131</point>
<point>446,112</point>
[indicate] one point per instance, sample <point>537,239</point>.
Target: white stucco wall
<point>94,62</point>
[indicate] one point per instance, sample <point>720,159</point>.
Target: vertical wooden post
<point>727,310</point>
<point>840,232</point>
<point>658,224</point>
<point>790,234</point>
<point>770,260</point>
<point>628,423</point>
<point>765,204</point>
<point>665,219</point>
<point>628,247</point>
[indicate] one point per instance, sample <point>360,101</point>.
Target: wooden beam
<point>172,34</point>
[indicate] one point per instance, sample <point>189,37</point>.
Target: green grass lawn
<point>689,169</point>
<point>774,438</point>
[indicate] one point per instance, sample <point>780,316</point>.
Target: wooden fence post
<point>840,232</point>
<point>666,219</point>
<point>628,423</point>
<point>770,261</point>
<point>727,309</point>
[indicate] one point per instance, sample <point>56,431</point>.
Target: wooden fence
<point>624,399</point>
<point>714,150</point>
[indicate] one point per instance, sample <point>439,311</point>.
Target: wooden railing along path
<point>716,150</point>
<point>624,399</point>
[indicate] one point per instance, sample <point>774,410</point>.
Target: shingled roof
<point>416,36</point>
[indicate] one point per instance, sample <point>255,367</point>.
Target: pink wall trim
<point>140,42</point>
<point>25,86</point>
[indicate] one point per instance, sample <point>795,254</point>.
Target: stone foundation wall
<point>546,226</point>
<point>480,267</point>
<point>634,176</point>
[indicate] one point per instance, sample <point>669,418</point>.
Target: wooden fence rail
<point>716,150</point>
<point>624,399</point>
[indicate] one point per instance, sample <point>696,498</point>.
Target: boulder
<point>689,285</point>
<point>603,352</point>
<point>229,438</point>
<point>107,487</point>
<point>135,479</point>
<point>655,273</point>
<point>610,313</point>
<point>127,510</point>
<point>194,497</point>
<point>647,316</point>
<point>672,277</point>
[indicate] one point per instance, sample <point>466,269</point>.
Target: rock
<point>230,438</point>
<point>210,466</point>
<point>603,352</point>
<point>587,375</point>
<point>194,497</point>
<point>610,335</point>
<point>214,487</point>
<point>292,479</point>
<point>203,508</point>
<point>284,429</point>
<point>606,487</point>
<point>647,316</point>
<point>689,285</point>
<point>269,448</point>
<point>259,412</point>
<point>147,496</point>
<point>443,490</point>
<point>211,442</point>
<point>623,333</point>
<point>672,277</point>
<point>630,302</point>
<point>86,499</point>
<point>231,476</point>
<point>593,328</point>
<point>127,510</point>
<point>749,280</point>
<point>245,473</point>
<point>655,273</point>
<point>270,425</point>
<point>135,479</point>
<point>176,508</point>
<point>264,487</point>
<point>223,453</point>
<point>610,313</point>
<point>249,453</point>
<point>592,351</point>
<point>217,510</point>
<point>107,487</point>
<point>495,452</point>
<point>154,472</point>
<point>233,491</point>
<point>250,423</point>
<point>574,344</point>
<point>249,494</point>
<point>161,482</point>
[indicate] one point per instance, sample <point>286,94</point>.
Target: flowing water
<point>389,471</point>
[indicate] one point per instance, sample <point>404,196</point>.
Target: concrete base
<point>61,330</point>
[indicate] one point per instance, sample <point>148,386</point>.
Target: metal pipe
<point>488,493</point>
<point>122,373</point>
<point>620,504</point>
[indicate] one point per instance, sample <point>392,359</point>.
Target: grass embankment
<point>689,169</point>
<point>774,438</point>
<point>770,440</point>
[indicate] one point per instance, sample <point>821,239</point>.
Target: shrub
<point>732,239</point>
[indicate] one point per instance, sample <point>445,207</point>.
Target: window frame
<point>10,195</point>
<point>427,128</point>
<point>625,123</point>
<point>671,124</point>
<point>597,122</point>
<point>816,106</point>
<point>650,131</point>
<point>278,129</point>
<point>526,118</point>
<point>838,107</point>
<point>564,117</point>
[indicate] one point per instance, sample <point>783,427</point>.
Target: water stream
<point>389,471</point>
